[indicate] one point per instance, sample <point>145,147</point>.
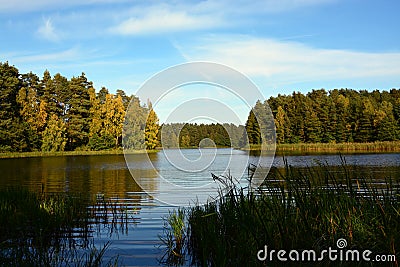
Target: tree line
<point>204,135</point>
<point>335,116</point>
<point>54,113</point>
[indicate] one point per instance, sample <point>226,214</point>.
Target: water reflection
<point>77,174</point>
<point>108,175</point>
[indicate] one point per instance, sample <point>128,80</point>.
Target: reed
<point>372,147</point>
<point>48,230</point>
<point>299,209</point>
<point>174,239</point>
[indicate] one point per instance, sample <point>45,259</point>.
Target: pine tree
<point>95,111</point>
<point>62,95</point>
<point>32,111</point>
<point>364,129</point>
<point>11,128</point>
<point>47,94</point>
<point>343,126</point>
<point>102,95</point>
<point>167,136</point>
<point>280,125</point>
<point>386,125</point>
<point>252,129</point>
<point>79,112</point>
<point>312,127</point>
<point>125,99</point>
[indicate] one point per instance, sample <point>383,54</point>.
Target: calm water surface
<point>109,175</point>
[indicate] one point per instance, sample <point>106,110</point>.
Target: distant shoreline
<point>371,147</point>
<point>71,153</point>
<point>309,148</point>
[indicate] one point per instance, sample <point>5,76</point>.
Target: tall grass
<point>174,238</point>
<point>371,147</point>
<point>296,209</point>
<point>50,230</point>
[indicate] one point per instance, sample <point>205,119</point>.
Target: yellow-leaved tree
<point>114,114</point>
<point>151,129</point>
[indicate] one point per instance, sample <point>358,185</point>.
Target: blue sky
<point>282,45</point>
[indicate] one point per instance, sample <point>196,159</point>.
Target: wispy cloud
<point>18,6</point>
<point>47,31</point>
<point>286,62</point>
<point>162,20</point>
<point>71,55</point>
<point>176,16</point>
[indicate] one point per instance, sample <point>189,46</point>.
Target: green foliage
<point>297,209</point>
<point>27,106</point>
<point>78,117</point>
<point>253,129</point>
<point>195,135</point>
<point>56,114</point>
<point>335,116</point>
<point>102,142</point>
<point>174,238</point>
<point>11,131</point>
<point>49,230</point>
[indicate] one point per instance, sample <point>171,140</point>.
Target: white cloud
<point>174,16</point>
<point>18,6</point>
<point>47,30</point>
<point>162,20</point>
<point>71,54</point>
<point>285,62</point>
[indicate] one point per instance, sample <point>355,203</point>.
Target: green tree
<point>102,94</point>
<point>125,99</point>
<point>62,95</point>
<point>280,125</point>
<point>364,129</point>
<point>95,111</point>
<point>386,125</point>
<point>11,128</point>
<point>252,129</point>
<point>32,111</point>
<point>47,94</point>
<point>312,126</point>
<point>168,137</point>
<point>343,126</point>
<point>79,112</point>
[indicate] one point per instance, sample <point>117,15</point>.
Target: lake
<point>175,177</point>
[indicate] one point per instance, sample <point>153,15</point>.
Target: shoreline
<point>300,148</point>
<point>8,155</point>
<point>328,148</point>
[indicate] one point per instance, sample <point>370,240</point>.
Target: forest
<point>54,113</point>
<point>335,116</point>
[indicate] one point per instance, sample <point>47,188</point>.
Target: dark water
<point>108,175</point>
